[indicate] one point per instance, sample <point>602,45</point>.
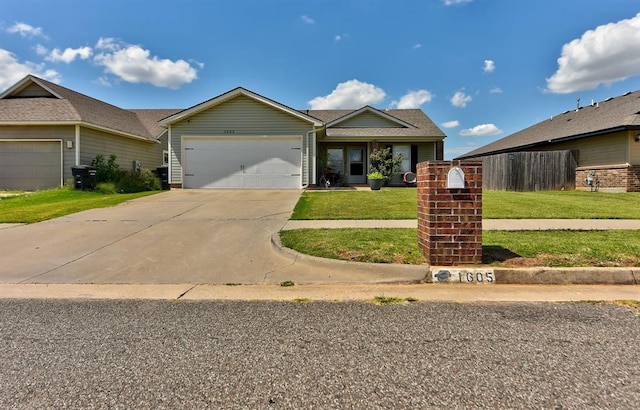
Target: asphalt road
<point>161,354</point>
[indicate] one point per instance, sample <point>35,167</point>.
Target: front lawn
<point>52,203</point>
<point>401,203</point>
<point>521,248</point>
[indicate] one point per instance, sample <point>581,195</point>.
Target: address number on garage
<point>467,276</point>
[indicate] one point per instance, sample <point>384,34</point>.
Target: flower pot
<point>375,184</point>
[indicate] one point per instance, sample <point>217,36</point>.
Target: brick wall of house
<point>622,178</point>
<point>450,220</point>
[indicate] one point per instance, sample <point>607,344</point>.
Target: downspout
<point>170,156</point>
<point>77,145</point>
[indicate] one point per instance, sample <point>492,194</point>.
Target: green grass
<point>547,248</point>
<point>52,203</point>
<point>560,205</point>
<point>388,203</point>
<point>401,203</point>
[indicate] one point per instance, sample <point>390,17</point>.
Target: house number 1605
<point>475,277</point>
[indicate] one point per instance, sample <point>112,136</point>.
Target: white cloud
<point>454,2</point>
<point>351,94</point>
<point>12,70</point>
<point>482,130</point>
<point>460,99</point>
<point>451,124</point>
<point>417,46</point>
<point>489,66</point>
<point>605,55</point>
<point>26,30</point>
<point>337,37</point>
<point>308,20</point>
<point>495,90</point>
<point>41,50</point>
<point>413,99</point>
<point>69,54</point>
<point>134,64</point>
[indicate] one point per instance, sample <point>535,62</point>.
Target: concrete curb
<point>507,276</point>
<point>380,272</point>
<point>567,276</point>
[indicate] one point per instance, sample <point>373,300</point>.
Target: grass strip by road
<point>500,248</point>
<point>401,203</point>
<point>52,203</point>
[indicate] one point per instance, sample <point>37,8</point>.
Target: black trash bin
<point>84,177</point>
<point>163,175</point>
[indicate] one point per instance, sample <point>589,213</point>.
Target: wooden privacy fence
<point>530,171</point>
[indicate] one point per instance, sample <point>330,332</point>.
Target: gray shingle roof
<point>607,116</point>
<point>75,107</point>
<point>416,117</point>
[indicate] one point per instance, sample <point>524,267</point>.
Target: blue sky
<point>480,69</point>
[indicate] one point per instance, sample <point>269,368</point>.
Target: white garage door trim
<point>242,161</point>
<point>17,168</point>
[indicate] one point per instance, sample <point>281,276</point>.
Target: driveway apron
<point>180,236</point>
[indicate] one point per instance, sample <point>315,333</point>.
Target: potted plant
<point>375,180</point>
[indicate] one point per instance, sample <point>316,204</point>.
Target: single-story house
<point>605,136</point>
<point>241,139</point>
<point>238,139</point>
<point>45,129</point>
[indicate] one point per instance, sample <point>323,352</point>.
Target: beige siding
<point>242,116</point>
<point>367,120</point>
<point>634,148</point>
<point>426,152</point>
<point>64,133</point>
<point>126,150</point>
<point>33,90</point>
<point>600,150</point>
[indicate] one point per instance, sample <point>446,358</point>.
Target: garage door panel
<point>30,165</point>
<point>243,163</point>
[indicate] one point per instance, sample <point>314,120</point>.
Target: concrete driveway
<point>180,236</point>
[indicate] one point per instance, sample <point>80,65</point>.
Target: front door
<point>356,165</point>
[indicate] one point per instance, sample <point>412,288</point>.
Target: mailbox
<point>455,178</point>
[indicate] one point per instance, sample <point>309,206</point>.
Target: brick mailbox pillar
<point>450,212</point>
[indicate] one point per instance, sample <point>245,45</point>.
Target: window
<point>165,157</point>
<point>405,151</point>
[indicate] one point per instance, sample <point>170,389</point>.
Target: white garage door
<point>242,162</point>
<point>30,165</point>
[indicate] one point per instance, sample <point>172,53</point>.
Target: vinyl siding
<point>64,133</point>
<point>601,150</point>
<point>33,90</point>
<point>367,120</point>
<point>126,150</point>
<point>634,149</point>
<point>242,116</point>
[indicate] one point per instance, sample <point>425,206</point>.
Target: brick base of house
<point>450,219</point>
<point>615,178</point>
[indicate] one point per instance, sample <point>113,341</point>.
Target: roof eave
<point>554,141</point>
<point>80,123</point>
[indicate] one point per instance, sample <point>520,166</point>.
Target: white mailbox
<point>455,178</point>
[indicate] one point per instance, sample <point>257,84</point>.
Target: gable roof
<point>179,116</point>
<point>34,101</point>
<point>611,115</point>
<point>411,123</point>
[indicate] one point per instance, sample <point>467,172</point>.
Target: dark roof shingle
<point>621,112</point>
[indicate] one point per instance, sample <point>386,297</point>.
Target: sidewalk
<point>487,224</point>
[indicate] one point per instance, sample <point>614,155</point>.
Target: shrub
<point>381,160</point>
<point>106,188</point>
<point>106,171</point>
<point>138,181</point>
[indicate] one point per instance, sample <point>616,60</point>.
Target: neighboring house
<point>604,135</point>
<point>239,139</point>
<point>45,129</point>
